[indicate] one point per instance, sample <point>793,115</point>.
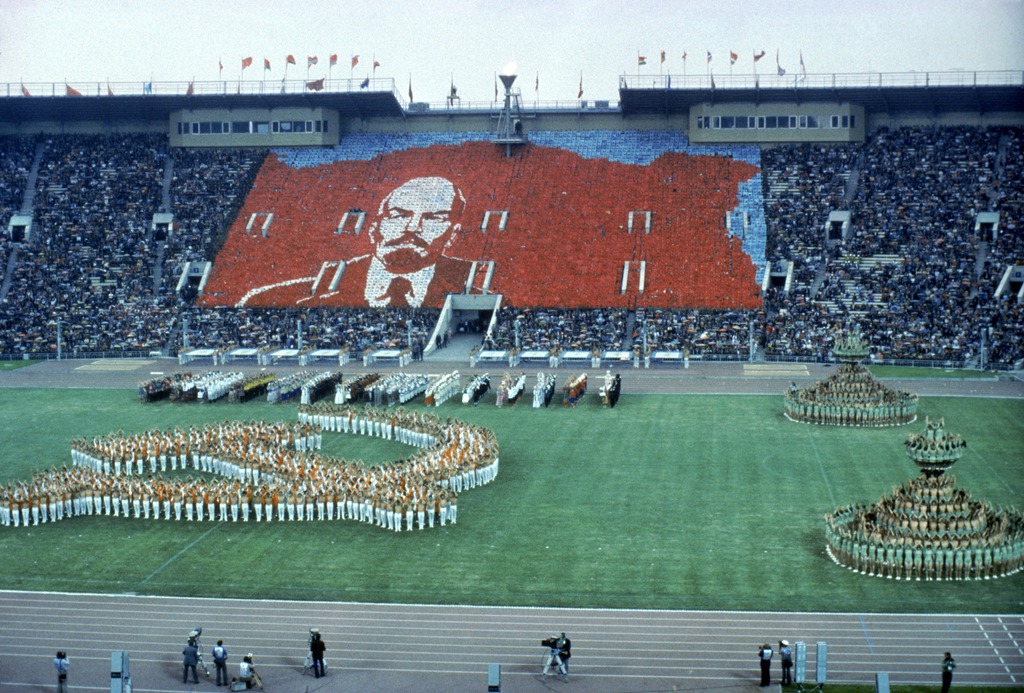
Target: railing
<point>261,87</point>
<point>81,355</point>
<point>794,79</point>
<point>914,363</point>
<point>768,79</point>
<point>227,87</point>
<point>695,358</point>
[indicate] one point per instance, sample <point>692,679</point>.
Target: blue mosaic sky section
<point>622,146</point>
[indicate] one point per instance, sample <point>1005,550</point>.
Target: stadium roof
<point>982,92</point>
<point>156,101</point>
<point>978,92</point>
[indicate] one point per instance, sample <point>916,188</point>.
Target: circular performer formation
<point>851,396</point>
<point>928,528</point>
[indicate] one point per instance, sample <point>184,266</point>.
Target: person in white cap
<point>786,654</point>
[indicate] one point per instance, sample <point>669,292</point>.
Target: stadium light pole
<point>59,340</point>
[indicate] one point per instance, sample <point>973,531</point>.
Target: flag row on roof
<point>311,61</point>
<point>734,57</point>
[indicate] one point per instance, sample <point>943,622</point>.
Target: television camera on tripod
<point>193,640</point>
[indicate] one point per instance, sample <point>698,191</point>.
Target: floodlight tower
<point>510,121</point>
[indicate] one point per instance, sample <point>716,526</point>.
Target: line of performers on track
<point>512,387</point>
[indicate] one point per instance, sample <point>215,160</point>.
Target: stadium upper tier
<point>558,224</point>
<point>555,228</point>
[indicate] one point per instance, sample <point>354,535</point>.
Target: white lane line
<point>178,555</point>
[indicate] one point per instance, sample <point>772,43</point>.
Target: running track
<point>399,648</point>
<point>385,647</point>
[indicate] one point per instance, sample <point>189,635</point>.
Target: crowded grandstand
<point>604,235</point>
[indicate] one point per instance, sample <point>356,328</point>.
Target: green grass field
<point>667,501</point>
<point>11,365</point>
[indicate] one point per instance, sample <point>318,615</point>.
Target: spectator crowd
<point>913,275</point>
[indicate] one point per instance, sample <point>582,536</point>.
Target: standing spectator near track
<point>220,663</point>
<point>948,665</point>
<point>60,663</point>
<point>764,656</point>
<point>786,654</point>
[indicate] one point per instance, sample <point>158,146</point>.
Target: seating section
<point>15,162</point>
<point>913,276</point>
<point>568,197</point>
<point>356,329</point>
<point>90,262</point>
<point>208,189</point>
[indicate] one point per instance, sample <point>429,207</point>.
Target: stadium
<point>708,241</point>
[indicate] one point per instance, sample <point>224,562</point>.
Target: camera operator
<point>60,663</point>
<point>247,673</point>
<point>559,652</point>
<point>317,647</point>
<point>189,660</point>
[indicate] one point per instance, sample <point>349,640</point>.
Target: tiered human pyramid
<point>928,528</point>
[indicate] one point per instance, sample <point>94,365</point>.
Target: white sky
<point>433,42</point>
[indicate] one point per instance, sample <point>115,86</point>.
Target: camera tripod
<point>193,639</point>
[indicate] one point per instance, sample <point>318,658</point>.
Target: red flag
<point>24,91</point>
<point>290,60</point>
<point>311,61</point>
<point>191,89</point>
<point>334,59</point>
<point>221,63</point>
<point>758,56</point>
<point>684,56</point>
<point>355,60</point>
<point>733,57</point>
<point>266,63</point>
<point>376,64</point>
<point>246,62</point>
<point>641,59</point>
<point>317,85</point>
<point>70,90</point>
